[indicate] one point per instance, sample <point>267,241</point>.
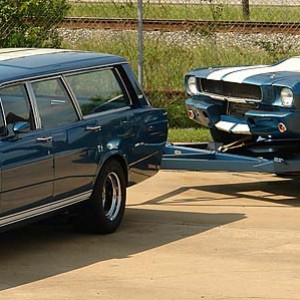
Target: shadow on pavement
<point>39,251</point>
<point>277,192</point>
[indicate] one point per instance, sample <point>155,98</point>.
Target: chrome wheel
<point>105,209</point>
<point>111,196</point>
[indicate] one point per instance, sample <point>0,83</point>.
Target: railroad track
<point>180,25</point>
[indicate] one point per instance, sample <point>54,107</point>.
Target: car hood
<point>287,70</point>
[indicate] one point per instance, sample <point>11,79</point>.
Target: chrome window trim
<point>72,97</point>
<point>44,209</point>
<point>3,117</point>
<point>37,118</point>
<point>60,77</point>
<point>31,103</point>
<point>48,75</point>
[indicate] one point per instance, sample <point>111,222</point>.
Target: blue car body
<point>254,101</point>
<point>52,155</point>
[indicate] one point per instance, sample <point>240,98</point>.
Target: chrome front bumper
<point>232,127</point>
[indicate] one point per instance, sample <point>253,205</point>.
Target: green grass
<point>186,11</point>
<point>185,135</point>
<point>166,64</point>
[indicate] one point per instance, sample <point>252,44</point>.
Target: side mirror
<point>21,127</point>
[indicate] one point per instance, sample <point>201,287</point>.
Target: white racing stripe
<point>218,75</point>
<point>292,64</point>
<point>10,53</point>
<point>239,74</point>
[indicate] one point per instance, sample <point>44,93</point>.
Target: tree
<point>31,23</point>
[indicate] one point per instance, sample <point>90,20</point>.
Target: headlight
<point>192,85</point>
<point>287,97</point>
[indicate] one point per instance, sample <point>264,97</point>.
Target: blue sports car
<point>252,102</point>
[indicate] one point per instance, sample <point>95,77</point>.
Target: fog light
<point>282,128</point>
<point>191,114</point>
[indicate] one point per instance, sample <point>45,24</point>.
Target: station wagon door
<point>26,159</point>
<point>74,141</point>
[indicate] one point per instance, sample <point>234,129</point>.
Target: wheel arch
<point>113,157</point>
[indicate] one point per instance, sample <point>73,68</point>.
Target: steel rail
<point>181,25</point>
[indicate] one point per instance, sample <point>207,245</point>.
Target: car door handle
<point>150,128</point>
<point>93,128</point>
<point>47,139</point>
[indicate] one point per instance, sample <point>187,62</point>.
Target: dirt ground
<point>185,235</point>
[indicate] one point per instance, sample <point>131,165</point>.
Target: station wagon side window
<point>98,91</point>
<point>16,106</point>
<point>53,102</point>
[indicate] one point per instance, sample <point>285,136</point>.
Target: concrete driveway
<point>186,235</point>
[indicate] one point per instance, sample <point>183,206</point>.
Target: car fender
<point>113,151</point>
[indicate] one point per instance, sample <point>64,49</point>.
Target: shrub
<point>31,23</point>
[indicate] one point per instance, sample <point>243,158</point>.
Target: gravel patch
<point>185,38</point>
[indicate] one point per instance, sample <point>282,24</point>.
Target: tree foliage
<point>31,23</point>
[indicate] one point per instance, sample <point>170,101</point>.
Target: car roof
<point>22,63</point>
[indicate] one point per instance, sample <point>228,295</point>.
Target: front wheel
<point>105,209</point>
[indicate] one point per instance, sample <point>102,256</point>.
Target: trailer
<point>281,157</point>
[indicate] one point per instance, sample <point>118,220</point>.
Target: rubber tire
<point>96,218</point>
<point>224,137</point>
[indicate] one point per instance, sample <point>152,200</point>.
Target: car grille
<point>239,109</point>
<point>231,89</point>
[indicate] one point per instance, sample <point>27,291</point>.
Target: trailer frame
<point>278,157</point>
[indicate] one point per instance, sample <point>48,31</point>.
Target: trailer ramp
<point>203,157</point>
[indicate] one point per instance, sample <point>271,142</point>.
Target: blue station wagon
<point>76,130</point>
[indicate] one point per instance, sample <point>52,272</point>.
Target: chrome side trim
<point>107,112</point>
<point>236,128</point>
<point>144,158</point>
<point>46,208</point>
